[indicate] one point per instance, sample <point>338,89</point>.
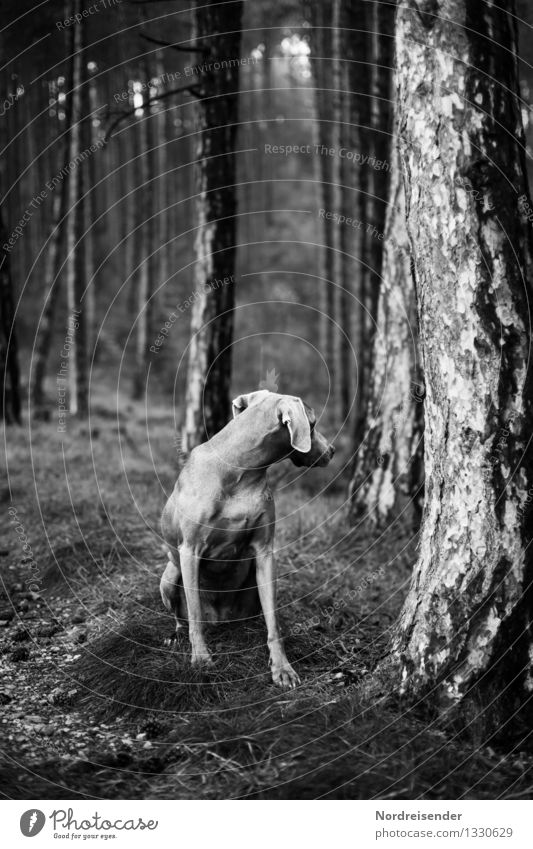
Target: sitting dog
<point>218,524</point>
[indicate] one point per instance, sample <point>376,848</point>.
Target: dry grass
<point>91,507</point>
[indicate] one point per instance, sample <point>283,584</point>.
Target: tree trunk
<point>375,113</point>
<point>15,161</point>
<point>389,463</point>
<point>30,180</point>
<point>318,15</point>
<point>350,241</point>
<point>130,150</point>
<point>10,405</point>
<point>163,193</point>
<point>52,270</point>
<point>90,213</point>
<point>339,192</point>
<point>75,263</point>
<point>52,262</point>
<point>354,320</point>
<point>465,629</point>
<point>326,38</point>
<point>218,29</point>
<point>146,237</point>
<point>381,119</point>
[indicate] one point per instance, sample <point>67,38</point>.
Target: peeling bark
<point>218,31</point>
<point>465,628</point>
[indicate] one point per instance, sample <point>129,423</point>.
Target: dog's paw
<point>201,660</point>
<point>176,635</point>
<point>285,676</point>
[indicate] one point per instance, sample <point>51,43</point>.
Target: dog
<point>218,524</point>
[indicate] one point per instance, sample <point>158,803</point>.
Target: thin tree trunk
<point>84,309</point>
<point>375,116</point>
<point>360,75</point>
<point>10,406</point>
<point>355,176</point>
<point>52,269</point>
<point>322,41</point>
<point>339,192</point>
<point>15,163</point>
<point>218,28</point>
<point>353,49</point>
<point>465,629</point>
<point>90,213</point>
<point>10,397</point>
<point>30,181</point>
<point>52,263</point>
<point>382,76</point>
<point>347,293</point>
<point>129,144</point>
<point>10,391</point>
<point>388,463</point>
<point>75,263</point>
<point>163,182</point>
<point>146,236</point>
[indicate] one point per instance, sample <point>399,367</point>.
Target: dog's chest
<point>234,521</point>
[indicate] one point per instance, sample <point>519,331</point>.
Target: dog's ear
<point>241,402</point>
<point>291,412</point>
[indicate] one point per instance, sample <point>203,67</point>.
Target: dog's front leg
<point>190,568</point>
<point>282,672</point>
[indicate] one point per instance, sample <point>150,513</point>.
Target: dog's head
<point>292,423</point>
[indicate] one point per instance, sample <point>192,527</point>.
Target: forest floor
<point>92,705</point>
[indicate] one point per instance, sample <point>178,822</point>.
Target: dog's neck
<point>242,457</point>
